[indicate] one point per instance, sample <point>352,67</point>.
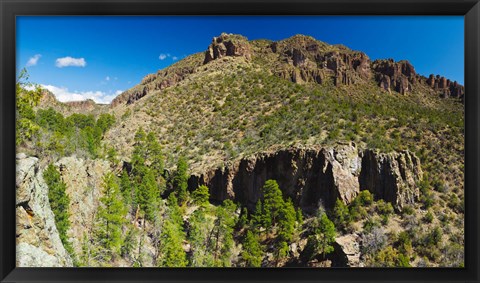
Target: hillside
<point>306,139</point>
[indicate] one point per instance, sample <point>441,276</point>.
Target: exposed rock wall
<point>317,174</point>
<point>83,179</point>
<point>38,241</point>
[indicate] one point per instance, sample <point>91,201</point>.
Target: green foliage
<point>172,236</point>
<point>109,221</point>
<point>180,180</point>
<point>252,252</point>
<point>341,215</point>
<point>201,195</point>
<point>223,234</point>
<point>389,257</point>
<point>272,204</point>
<point>286,222</point>
<point>323,235</point>
<point>27,97</point>
<point>105,121</point>
<point>172,253</point>
<point>60,204</point>
<point>200,240</point>
<point>148,194</point>
<point>428,217</point>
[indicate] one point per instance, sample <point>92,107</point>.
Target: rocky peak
<point>228,45</point>
<point>397,76</point>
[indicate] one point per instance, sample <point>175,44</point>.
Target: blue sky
<point>98,57</point>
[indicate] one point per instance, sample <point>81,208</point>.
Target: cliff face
<point>83,179</point>
<point>309,176</point>
<point>38,241</point>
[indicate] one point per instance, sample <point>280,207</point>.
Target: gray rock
<point>38,241</point>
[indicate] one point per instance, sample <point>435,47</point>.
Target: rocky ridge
<point>38,241</point>
<point>301,59</point>
<point>311,175</point>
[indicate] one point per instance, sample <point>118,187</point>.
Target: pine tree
<point>126,188</point>
<point>180,180</point>
<point>272,203</point>
<point>252,253</point>
<point>324,234</point>
<point>110,219</point>
<point>223,234</point>
<point>59,203</point>
<point>286,222</point>
<point>171,253</point>
<point>341,215</point>
<point>148,194</point>
<point>154,154</point>
<point>201,195</point>
<point>198,237</point>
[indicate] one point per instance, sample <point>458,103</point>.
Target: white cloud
<point>33,60</point>
<point>64,95</point>
<point>70,62</point>
<point>107,78</point>
<point>174,58</point>
<point>164,56</point>
<point>118,92</point>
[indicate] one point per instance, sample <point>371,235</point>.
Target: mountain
<point>373,145</point>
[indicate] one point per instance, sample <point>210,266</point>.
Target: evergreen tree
<point>201,195</point>
<point>148,194</point>
<point>272,204</point>
<point>180,180</point>
<point>110,219</point>
<point>126,189</point>
<point>323,234</point>
<point>252,253</point>
<point>223,234</point>
<point>154,153</point>
<point>286,222</point>
<point>341,215</point>
<point>171,251</point>
<point>199,239</point>
<point>59,203</point>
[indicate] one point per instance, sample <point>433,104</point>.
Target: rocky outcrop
<point>397,76</point>
<point>392,177</point>
<point>228,45</point>
<point>82,106</point>
<point>313,175</point>
<point>38,241</point>
<point>349,248</point>
<point>309,60</point>
<point>83,179</point>
<point>445,87</point>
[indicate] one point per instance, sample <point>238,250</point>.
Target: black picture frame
<point>11,8</point>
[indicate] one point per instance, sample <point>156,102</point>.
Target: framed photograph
<point>241,141</point>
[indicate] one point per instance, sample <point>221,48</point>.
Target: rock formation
<point>228,45</point>
<point>83,179</point>
<point>445,87</point>
<point>396,76</point>
<point>38,241</point>
<point>314,175</point>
